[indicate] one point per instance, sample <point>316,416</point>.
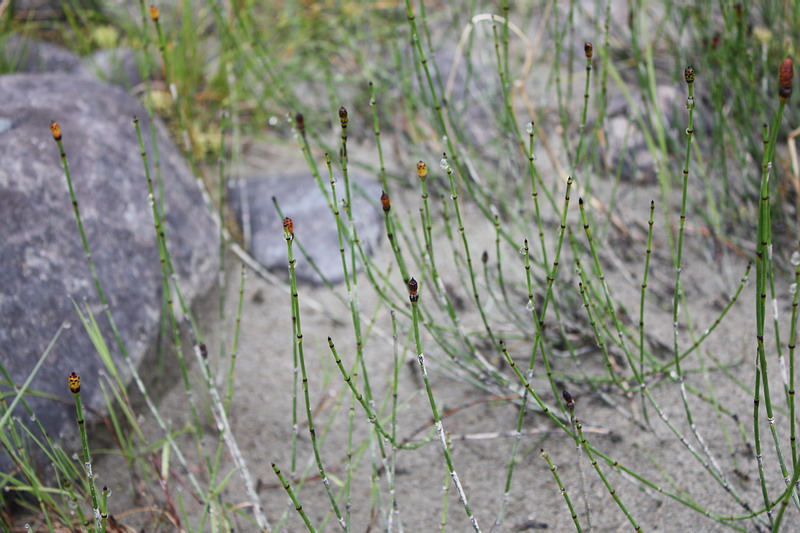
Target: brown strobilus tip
<point>74,382</point>
<point>588,49</point>
<point>688,75</point>
<point>300,122</point>
<point>154,12</point>
<point>343,116</point>
<point>55,129</point>
<point>485,257</point>
<point>422,170</point>
<point>288,226</point>
<point>785,79</point>
<point>413,295</point>
<point>569,399</point>
<point>385,202</point>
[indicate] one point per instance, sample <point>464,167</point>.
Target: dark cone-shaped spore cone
<point>413,287</point>
<point>785,79</point>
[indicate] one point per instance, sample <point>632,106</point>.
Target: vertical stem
<point>74,382</point>
<point>641,300</point>
<point>414,298</point>
<point>288,234</point>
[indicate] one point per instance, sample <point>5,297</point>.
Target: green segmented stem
<point>648,254</point>
<point>763,277</point>
<point>414,298</point>
<point>298,332</point>
<point>372,416</point>
<point>104,508</point>
<point>602,476</point>
<point>441,293</point>
<point>394,511</point>
<point>611,308</point>
<point>75,387</point>
<point>288,488</point>
<point>445,498</point>
<point>235,348</point>
<point>538,344</point>
<point>582,126</point>
<point>167,288</point>
<point>562,489</point>
<point>690,105</point>
<point>792,341</point>
<point>616,464</point>
<point>389,225</point>
<point>373,103</point>
<point>470,269</point>
<point>168,75</point>
<point>505,87</point>
<point>604,74</point>
<point>590,313</point>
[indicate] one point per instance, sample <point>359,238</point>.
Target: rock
<point>32,55</point>
<point>119,66</point>
<point>41,256</point>
<point>300,199</point>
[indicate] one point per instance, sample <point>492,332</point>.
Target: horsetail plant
<point>288,235</point>
<point>413,296</point>
<point>55,129</point>
<point>763,274</point>
<point>218,410</point>
<point>74,383</point>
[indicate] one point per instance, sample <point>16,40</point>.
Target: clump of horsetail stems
<point>288,235</point>
<point>413,297</point>
<point>764,275</point>
<point>74,383</point>
<point>689,78</point>
<point>55,130</point>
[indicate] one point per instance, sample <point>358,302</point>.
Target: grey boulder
<point>299,198</point>
<point>120,65</point>
<point>41,256</point>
